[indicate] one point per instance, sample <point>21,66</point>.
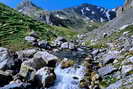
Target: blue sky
<point>60,4</point>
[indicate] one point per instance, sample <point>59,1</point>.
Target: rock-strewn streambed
<point>67,65</point>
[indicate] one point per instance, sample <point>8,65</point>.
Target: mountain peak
<point>70,17</point>
<point>26,3</point>
<point>86,4</point>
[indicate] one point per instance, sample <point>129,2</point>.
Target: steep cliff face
<point>128,4</point>
<point>124,18</point>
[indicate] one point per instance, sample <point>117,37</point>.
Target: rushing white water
<point>68,78</point>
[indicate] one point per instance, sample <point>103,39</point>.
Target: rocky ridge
<point>80,18</point>
<point>117,24</point>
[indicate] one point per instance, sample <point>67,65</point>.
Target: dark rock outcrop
<point>45,76</point>
<point>5,78</point>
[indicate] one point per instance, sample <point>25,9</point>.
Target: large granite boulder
<point>7,60</point>
<point>36,63</point>
<point>27,72</point>
<point>47,57</point>
<point>28,53</point>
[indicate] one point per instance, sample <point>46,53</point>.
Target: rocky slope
<point>122,21</point>
<point>70,65</point>
<point>83,17</point>
<point>128,4</point>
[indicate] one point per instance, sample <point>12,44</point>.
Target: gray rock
<point>44,44</point>
<point>127,68</point>
<point>130,59</point>
<point>71,46</point>
<point>67,45</point>
<point>36,63</point>
<point>59,40</point>
<point>95,52</point>
<point>30,39</point>
<point>126,83</point>
<point>106,70</point>
<point>5,78</point>
<point>131,49</point>
<point>110,57</point>
<point>6,59</point>
<point>80,49</point>
<point>116,85</point>
<point>27,72</point>
<point>47,57</point>
<point>45,76</point>
<point>26,53</point>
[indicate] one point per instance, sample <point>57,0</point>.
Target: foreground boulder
<point>6,59</point>
<point>45,76</point>
<point>27,72</point>
<point>5,78</point>
<point>47,57</point>
<point>36,63</point>
<point>28,53</point>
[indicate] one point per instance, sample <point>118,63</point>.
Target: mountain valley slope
<point>81,18</point>
<point>14,27</point>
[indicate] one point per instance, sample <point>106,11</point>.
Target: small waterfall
<point>68,78</point>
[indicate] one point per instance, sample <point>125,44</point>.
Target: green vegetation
<point>83,27</point>
<point>99,45</point>
<point>94,25</point>
<point>14,27</point>
<point>112,38</point>
<point>96,45</point>
<point>107,81</point>
<point>116,35</point>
